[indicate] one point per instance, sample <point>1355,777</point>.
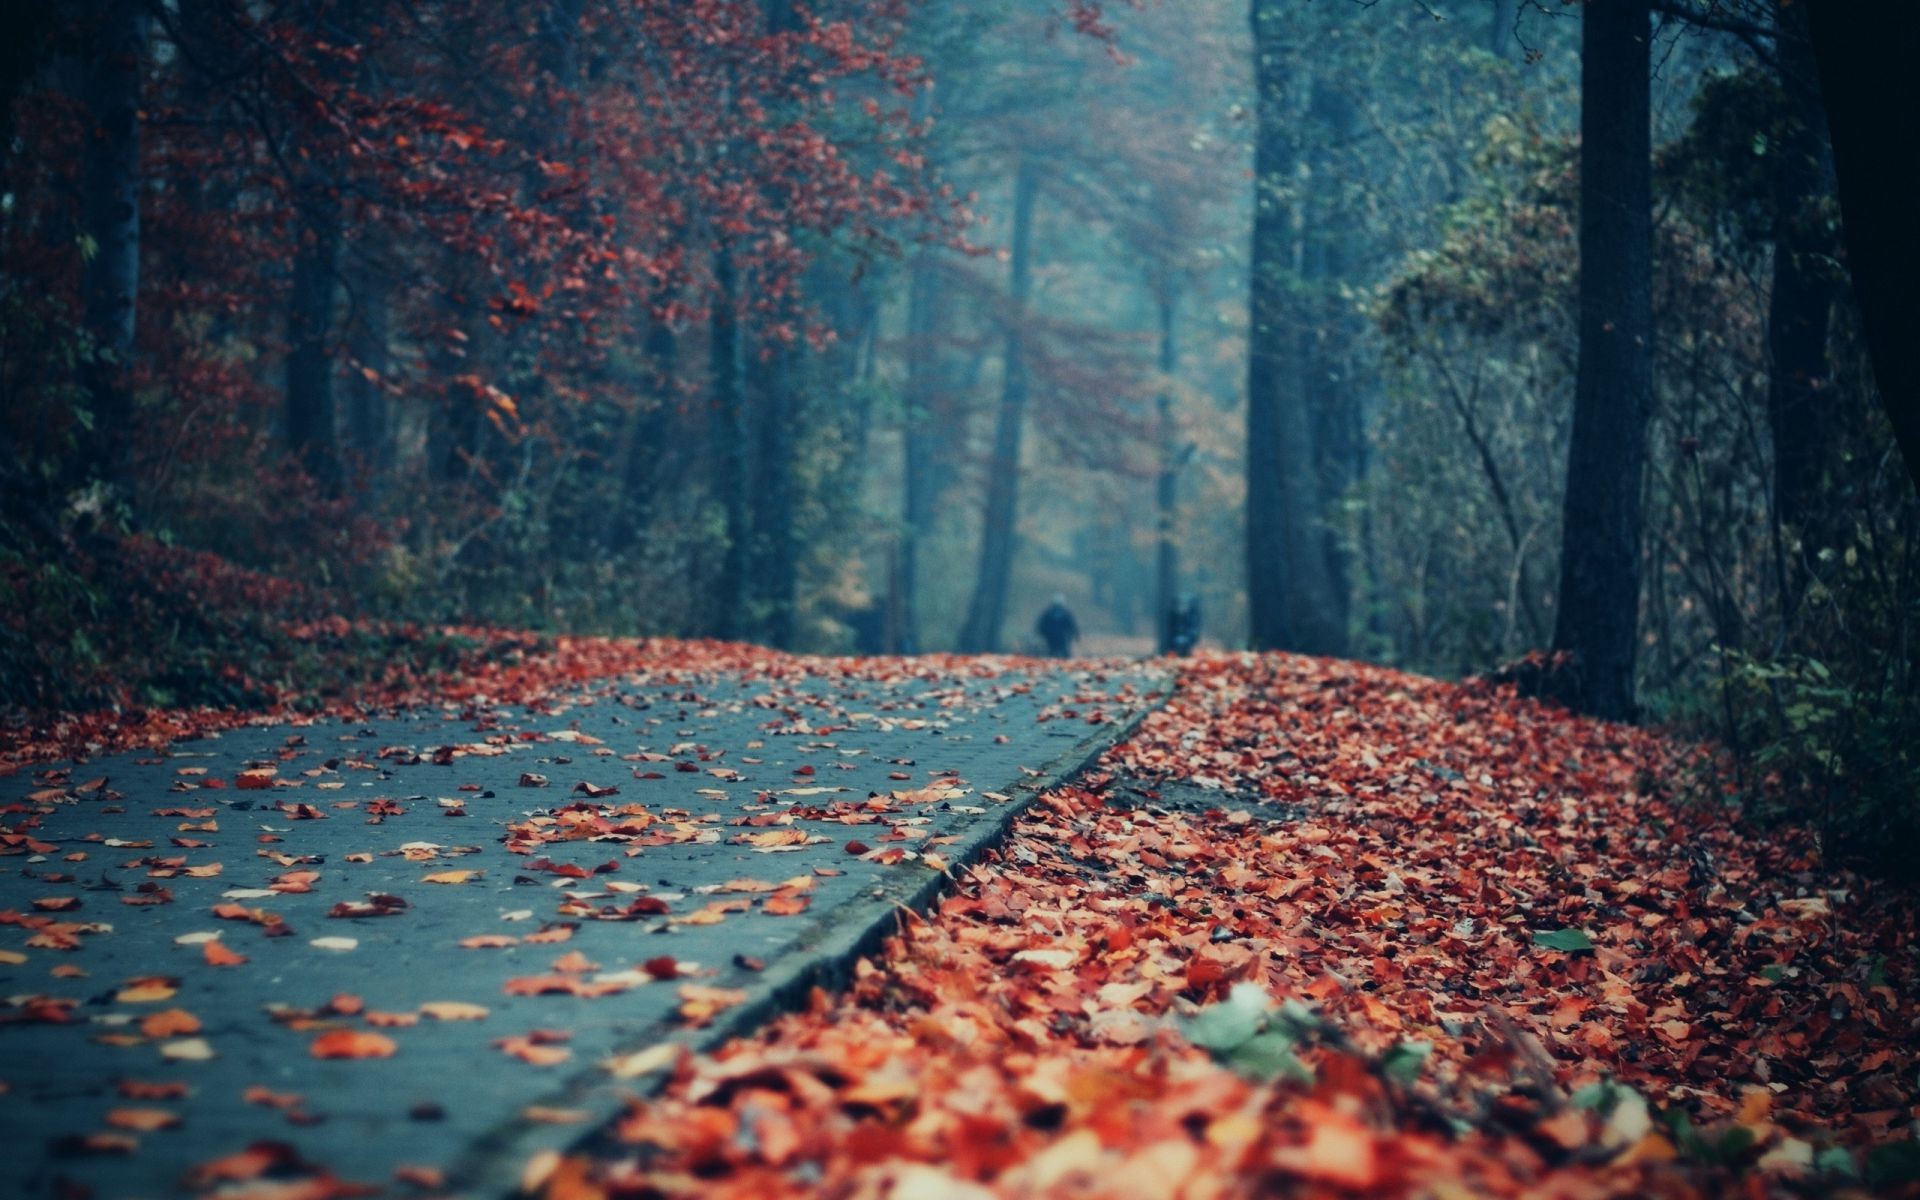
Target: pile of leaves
<point>1328,929</point>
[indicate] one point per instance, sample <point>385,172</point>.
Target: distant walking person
<point>1183,625</point>
<point>1057,628</point>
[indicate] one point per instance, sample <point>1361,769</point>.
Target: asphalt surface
<point>392,879</point>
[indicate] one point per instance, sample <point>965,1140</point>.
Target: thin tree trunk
<point>986,611</point>
<point>1613,394</point>
<point>1801,301</point>
<point>1501,40</point>
<point>730,448</point>
<point>916,450</point>
<point>1166,566</point>
<point>368,418</point>
<point>775,558</point>
<point>110,215</point>
<point>311,433</point>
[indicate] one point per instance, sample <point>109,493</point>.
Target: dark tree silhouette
<point>1613,392</point>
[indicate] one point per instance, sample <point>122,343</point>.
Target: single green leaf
<point>1402,1063</point>
<point>1573,941</point>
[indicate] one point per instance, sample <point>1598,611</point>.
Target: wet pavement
<point>419,949</point>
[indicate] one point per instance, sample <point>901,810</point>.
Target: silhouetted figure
<point>1183,625</point>
<point>1057,628</point>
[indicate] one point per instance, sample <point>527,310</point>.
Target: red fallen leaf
<point>172,1022</point>
<point>663,967</point>
<point>136,1089</point>
<point>857,847</point>
<point>148,894</point>
<point>531,779</point>
<point>377,904</point>
<point>239,912</point>
<point>540,1047</point>
<point>489,941</point>
<point>352,1043</point>
<point>217,955</point>
<point>384,808</point>
<point>247,1165</point>
<point>266,1098</point>
<point>91,1145</point>
<point>574,963</point>
<point>252,781</point>
<point>391,1020</point>
<point>143,1120</point>
<point>804,769</point>
<point>786,904</point>
<point>594,791</point>
<point>551,934</point>
<point>294,883</point>
<point>426,1179</point>
<point>302,812</point>
<point>700,1003</point>
<point>57,903</point>
<point>646,906</point>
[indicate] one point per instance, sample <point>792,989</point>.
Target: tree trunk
<point>1801,301</point>
<point>1166,565</point>
<point>729,448</point>
<point>986,611</point>
<point>1865,74</point>
<point>368,419</point>
<point>1501,40</point>
<point>311,433</point>
<point>774,563</point>
<point>1290,595</point>
<point>916,451</point>
<point>1613,392</point>
<point>110,215</point>
<point>1331,332</point>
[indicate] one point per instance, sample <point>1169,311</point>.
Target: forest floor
<point>1311,927</point>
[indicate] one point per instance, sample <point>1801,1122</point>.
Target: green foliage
<point>1571,941</point>
<point>1250,1034</point>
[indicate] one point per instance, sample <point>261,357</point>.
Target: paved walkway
<point>410,950</point>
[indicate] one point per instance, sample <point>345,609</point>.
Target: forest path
<point>470,912</point>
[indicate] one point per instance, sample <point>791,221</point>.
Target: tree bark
<point>729,448</point>
<point>1866,74</point>
<point>1166,565</point>
<point>1598,610</point>
<point>774,563</point>
<point>1800,303</point>
<point>1501,40</point>
<point>311,424</point>
<point>110,216</point>
<point>1290,595</point>
<point>916,451</point>
<point>368,345</point>
<point>986,611</point>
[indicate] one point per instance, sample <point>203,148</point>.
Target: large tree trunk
<point>1331,332</point>
<point>729,446</point>
<point>986,611</point>
<point>1166,563</point>
<point>1801,302</point>
<point>917,484</point>
<point>1613,392</point>
<point>1291,601</point>
<point>110,215</point>
<point>311,433</point>
<point>1865,75</point>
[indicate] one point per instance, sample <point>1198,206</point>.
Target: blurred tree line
<point>867,324</point>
